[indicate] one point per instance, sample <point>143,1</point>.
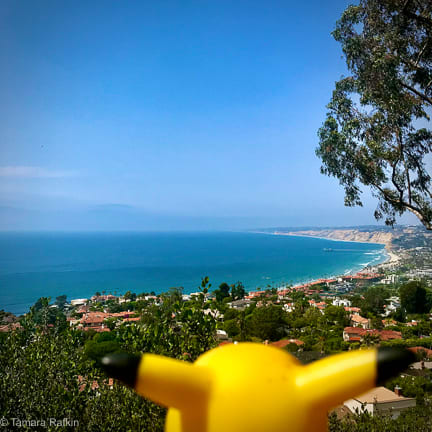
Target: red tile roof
<point>417,349</point>
<point>384,335</point>
<point>283,343</point>
<point>10,327</point>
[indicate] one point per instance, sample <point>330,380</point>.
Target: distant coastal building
<point>78,302</point>
<point>240,304</point>
<point>380,400</point>
<point>102,298</point>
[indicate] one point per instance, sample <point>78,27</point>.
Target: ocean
<point>33,265</point>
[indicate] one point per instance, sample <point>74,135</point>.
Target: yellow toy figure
<point>253,387</point>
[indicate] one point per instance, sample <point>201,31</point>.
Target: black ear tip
<point>123,367</point>
<point>391,361</point>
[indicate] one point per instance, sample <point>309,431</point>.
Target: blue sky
<point>167,115</point>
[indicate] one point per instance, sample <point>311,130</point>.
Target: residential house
<point>356,334</point>
<point>352,310</point>
<point>285,342</point>
<point>419,349</point>
<point>240,304</point>
<point>412,323</point>
<point>9,327</point>
<point>389,322</point>
<point>358,321</point>
<point>380,400</point>
<point>393,303</point>
<point>78,302</point>
<point>341,302</point>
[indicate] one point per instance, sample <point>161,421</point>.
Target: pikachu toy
<point>253,387</point>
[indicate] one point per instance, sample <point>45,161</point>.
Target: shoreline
<point>18,306</point>
<point>391,257</point>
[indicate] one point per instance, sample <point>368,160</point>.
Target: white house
<point>380,400</point>
<point>341,302</point>
<point>78,302</point>
<point>390,279</point>
<point>393,303</point>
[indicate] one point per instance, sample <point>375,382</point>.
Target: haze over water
<point>50,264</point>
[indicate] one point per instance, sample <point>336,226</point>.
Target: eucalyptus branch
<point>418,93</point>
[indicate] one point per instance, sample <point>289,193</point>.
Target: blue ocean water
<point>79,264</point>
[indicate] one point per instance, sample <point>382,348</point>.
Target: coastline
<point>79,282</point>
<point>392,258</point>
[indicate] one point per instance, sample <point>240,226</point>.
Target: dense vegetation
<point>50,370</point>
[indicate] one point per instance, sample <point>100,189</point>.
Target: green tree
<point>61,301</point>
<point>237,291</point>
<point>222,292</point>
<point>371,134</point>
<point>129,295</point>
<point>43,314</point>
<point>268,322</point>
<point>374,300</point>
<point>95,350</point>
<point>336,315</point>
<point>231,327</point>
<point>413,297</point>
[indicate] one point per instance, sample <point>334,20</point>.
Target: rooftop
<point>380,395</point>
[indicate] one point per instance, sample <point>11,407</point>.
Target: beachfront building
<point>78,302</point>
<point>380,400</point>
<point>103,298</point>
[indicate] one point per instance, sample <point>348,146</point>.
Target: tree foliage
<point>222,292</point>
<point>50,371</point>
<point>267,323</point>
<point>413,296</point>
<point>411,420</point>
<point>371,135</point>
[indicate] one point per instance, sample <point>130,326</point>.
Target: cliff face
<point>347,235</point>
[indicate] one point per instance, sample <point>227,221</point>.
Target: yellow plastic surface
<point>253,387</point>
